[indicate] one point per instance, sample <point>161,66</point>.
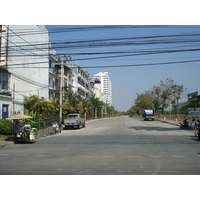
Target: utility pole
<point>61,87</point>
<point>38,107</point>
<point>95,112</point>
<point>62,82</point>
<point>13,99</point>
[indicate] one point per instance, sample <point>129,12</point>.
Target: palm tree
<point>96,105</point>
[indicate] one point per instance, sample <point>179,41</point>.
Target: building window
<point>3,80</point>
<point>0,40</point>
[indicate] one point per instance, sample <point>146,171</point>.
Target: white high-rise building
<point>106,86</point>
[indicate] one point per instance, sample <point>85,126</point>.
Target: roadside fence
<point>43,128</point>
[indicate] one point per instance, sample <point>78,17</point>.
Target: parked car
<point>74,120</point>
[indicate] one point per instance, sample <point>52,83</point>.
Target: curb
<point>169,122</point>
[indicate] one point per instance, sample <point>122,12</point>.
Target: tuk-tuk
<point>26,134</point>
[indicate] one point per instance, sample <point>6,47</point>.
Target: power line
<point>66,29</point>
<point>130,65</point>
<point>112,42</point>
<point>137,53</point>
<point>101,40</point>
<point>145,64</point>
<point>34,45</point>
<point>81,28</point>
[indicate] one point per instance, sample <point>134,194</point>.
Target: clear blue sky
<point>127,82</point>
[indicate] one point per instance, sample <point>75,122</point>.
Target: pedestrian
<point>16,131</point>
<point>193,124</point>
<point>198,128</point>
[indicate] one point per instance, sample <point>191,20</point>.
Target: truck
<point>148,115</point>
<point>74,120</point>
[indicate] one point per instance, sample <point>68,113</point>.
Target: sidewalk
<point>169,121</point>
<point>4,143</point>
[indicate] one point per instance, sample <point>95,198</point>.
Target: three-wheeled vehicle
<point>23,133</point>
<point>26,134</point>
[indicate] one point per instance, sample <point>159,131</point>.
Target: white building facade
<point>106,86</point>
<point>25,59</point>
<point>97,90</point>
<point>75,79</point>
<point>29,66</point>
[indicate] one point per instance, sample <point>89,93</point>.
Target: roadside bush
<point>6,127</point>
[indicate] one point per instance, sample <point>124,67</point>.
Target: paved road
<point>110,146</point>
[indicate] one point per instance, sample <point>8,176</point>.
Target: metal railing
<point>44,128</point>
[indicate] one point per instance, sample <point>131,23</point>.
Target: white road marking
<point>155,156</point>
<point>133,156</point>
<point>178,156</point>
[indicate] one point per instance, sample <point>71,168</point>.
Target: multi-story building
<point>75,78</point>
<point>29,66</point>
<point>82,81</point>
<point>106,86</point>
<point>97,90</point>
<point>25,63</point>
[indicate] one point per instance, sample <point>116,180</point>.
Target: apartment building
<point>75,78</point>
<point>24,51</point>
<point>97,90</point>
<point>106,86</point>
<point>29,66</point>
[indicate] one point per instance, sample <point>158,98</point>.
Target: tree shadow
<point>151,128</point>
<point>9,139</point>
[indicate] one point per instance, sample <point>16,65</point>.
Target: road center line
<point>132,156</point>
<point>178,156</point>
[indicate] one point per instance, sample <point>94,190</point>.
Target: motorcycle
<point>56,127</point>
<point>184,125</point>
<point>197,130</point>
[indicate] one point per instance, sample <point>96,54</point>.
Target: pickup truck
<point>74,120</point>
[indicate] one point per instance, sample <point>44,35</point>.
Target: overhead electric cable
<point>144,64</point>
<point>34,45</point>
<point>131,65</point>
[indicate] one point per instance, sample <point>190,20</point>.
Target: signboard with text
<point>194,113</point>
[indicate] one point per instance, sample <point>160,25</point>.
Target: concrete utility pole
<point>61,87</point>
<point>62,82</point>
<point>13,99</point>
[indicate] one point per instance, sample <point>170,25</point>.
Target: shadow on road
<point>119,140</point>
<point>151,128</point>
<point>194,138</point>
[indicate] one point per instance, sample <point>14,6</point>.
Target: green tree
<point>177,91</point>
<point>96,105</point>
<point>144,101</point>
<point>39,108</point>
<point>194,102</point>
<point>160,97</point>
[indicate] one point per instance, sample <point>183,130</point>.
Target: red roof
<point>96,80</point>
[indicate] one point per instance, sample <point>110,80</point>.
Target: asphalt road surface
<point>114,146</point>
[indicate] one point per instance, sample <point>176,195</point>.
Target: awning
<point>19,116</point>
